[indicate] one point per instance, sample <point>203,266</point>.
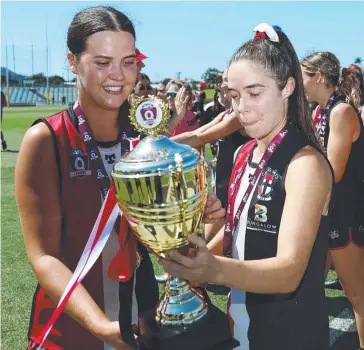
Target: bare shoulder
<point>38,136</point>
<point>342,114</point>
<point>37,152</point>
<point>309,167</point>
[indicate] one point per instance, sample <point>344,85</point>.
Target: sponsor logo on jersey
<point>260,220</point>
<point>260,213</point>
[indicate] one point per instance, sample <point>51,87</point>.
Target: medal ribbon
<point>231,221</point>
<point>102,229</point>
<point>321,121</point>
<point>94,246</point>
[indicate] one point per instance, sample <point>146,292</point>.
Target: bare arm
<point>210,132</point>
<point>308,178</point>
<point>38,199</point>
<point>189,137</point>
<point>215,245</point>
<point>344,130</point>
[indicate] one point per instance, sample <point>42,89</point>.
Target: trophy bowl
<point>161,188</point>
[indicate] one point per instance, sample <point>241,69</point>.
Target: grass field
<point>18,282</point>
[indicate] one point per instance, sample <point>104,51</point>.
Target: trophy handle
<point>180,187</point>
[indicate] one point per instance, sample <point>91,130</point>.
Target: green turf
<point>210,94</point>
<point>21,118</point>
<point>18,282</point>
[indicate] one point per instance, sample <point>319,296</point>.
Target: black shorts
<point>339,239</point>
<point>347,217</point>
<point>347,225</point>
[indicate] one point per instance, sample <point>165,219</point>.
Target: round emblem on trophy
<point>149,115</point>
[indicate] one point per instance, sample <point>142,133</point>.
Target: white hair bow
<point>267,29</point>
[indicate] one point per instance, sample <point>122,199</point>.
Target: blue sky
<point>186,37</point>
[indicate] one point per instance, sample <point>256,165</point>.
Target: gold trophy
<point>161,188</point>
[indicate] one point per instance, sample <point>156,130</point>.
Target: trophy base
<point>212,332</point>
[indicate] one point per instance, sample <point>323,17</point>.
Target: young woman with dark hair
<point>275,237</point>
<point>340,131</point>
<point>62,176</point>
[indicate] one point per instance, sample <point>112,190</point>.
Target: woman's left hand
<point>181,101</point>
<point>213,210</point>
<point>196,268</point>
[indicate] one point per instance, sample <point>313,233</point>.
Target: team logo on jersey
<point>260,213</point>
<point>80,164</point>
<point>265,188</point>
<point>110,158</point>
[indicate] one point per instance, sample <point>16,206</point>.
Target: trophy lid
<point>157,154</point>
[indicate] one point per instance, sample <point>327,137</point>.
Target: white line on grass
<point>341,324</point>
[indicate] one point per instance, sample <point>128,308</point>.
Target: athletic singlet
<point>237,308</point>
<point>278,321</point>
<point>348,197</point>
<point>144,276</point>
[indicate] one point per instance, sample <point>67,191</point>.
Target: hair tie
<point>265,31</point>
<point>260,35</point>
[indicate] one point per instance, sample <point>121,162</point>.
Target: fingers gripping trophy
<point>162,190</point>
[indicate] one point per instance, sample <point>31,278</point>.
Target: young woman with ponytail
<point>340,131</point>
<point>273,249</point>
<point>357,87</point>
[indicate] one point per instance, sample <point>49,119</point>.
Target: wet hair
<point>345,80</point>
<point>93,20</point>
<point>281,62</point>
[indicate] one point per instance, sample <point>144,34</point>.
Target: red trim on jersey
<point>81,203</point>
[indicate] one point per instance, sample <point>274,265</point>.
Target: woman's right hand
<point>110,334</point>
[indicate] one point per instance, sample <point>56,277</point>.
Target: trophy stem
<point>180,306</point>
